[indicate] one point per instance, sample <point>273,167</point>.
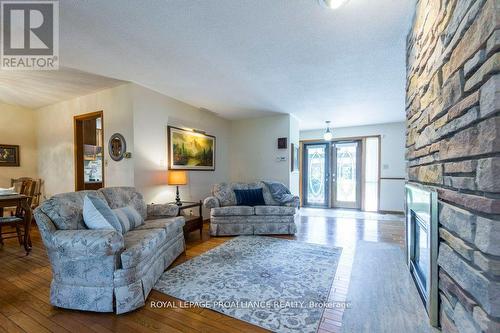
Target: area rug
<point>281,285</point>
<point>382,294</point>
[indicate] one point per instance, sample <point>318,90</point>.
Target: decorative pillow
<point>252,197</point>
<point>128,218</point>
<point>97,214</point>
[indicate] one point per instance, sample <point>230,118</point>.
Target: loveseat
<point>103,270</point>
<point>227,218</point>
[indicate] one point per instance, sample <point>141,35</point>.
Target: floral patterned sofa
<point>103,270</point>
<point>227,219</point>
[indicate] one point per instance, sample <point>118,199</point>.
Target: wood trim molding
<point>76,121</point>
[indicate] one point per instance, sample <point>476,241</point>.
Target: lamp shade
<point>176,177</point>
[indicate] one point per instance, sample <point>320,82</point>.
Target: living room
<point>249,166</point>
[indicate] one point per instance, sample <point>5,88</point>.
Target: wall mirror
<point>117,147</point>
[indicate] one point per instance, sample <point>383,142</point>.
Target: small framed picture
<point>9,155</point>
<point>282,143</point>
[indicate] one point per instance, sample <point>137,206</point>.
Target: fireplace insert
<point>422,241</point>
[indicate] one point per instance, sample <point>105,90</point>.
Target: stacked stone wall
<point>453,144</point>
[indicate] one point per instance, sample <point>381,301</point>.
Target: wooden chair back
<point>35,189</point>
<point>25,186</point>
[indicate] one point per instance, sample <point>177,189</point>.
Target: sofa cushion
<point>250,197</point>
<point>172,225</point>
<point>66,209</point>
<point>128,219</point>
<point>224,192</point>
<point>97,214</point>
<point>140,245</point>
<point>232,211</point>
<point>274,210</point>
<point>118,197</point>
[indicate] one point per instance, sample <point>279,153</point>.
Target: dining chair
<point>17,219</point>
<point>37,190</point>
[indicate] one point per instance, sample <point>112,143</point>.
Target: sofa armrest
<point>211,202</point>
<point>294,203</point>
<point>87,243</point>
<point>162,210</point>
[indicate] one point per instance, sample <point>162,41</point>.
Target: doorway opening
<point>343,173</point>
<point>89,151</point>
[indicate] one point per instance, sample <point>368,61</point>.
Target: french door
<point>316,174</point>
<point>332,174</point>
<point>346,174</point>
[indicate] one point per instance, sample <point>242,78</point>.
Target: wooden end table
<point>193,222</point>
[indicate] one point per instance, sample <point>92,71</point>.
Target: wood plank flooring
<point>25,283</point>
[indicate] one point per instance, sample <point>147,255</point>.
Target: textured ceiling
<point>34,89</point>
<point>242,58</point>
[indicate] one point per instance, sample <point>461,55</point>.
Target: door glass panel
<point>316,192</point>
<point>92,151</point>
<point>346,182</point>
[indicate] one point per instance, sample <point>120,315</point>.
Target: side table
<point>193,222</point>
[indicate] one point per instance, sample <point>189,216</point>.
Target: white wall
<point>152,113</point>
<point>254,149</point>
<point>294,136</point>
<point>17,127</point>
<point>55,138</point>
<point>392,157</point>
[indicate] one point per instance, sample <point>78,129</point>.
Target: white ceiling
<point>34,89</point>
<point>242,58</point>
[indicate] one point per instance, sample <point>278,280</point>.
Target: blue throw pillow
<point>97,214</point>
<point>253,197</point>
<point>128,218</point>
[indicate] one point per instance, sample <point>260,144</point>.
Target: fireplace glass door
<point>421,259</point>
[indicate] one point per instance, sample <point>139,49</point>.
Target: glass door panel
<point>316,173</point>
<point>346,175</point>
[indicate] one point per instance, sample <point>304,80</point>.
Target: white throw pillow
<point>128,218</point>
<point>97,214</point>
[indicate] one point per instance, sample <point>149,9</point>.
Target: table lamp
<point>177,177</point>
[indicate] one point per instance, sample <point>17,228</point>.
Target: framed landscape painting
<point>9,155</point>
<point>189,150</point>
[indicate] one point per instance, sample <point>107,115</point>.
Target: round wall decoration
<point>117,147</point>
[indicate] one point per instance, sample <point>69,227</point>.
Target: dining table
<point>19,200</point>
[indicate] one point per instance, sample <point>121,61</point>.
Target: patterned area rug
<point>281,285</point>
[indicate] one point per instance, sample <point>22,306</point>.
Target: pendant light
<point>328,136</point>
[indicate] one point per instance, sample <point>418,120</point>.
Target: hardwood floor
<point>25,283</point>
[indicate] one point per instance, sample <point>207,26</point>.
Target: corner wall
<point>453,144</point>
<point>254,149</point>
<point>153,112</point>
<point>17,127</point>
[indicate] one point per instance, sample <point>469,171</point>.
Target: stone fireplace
<point>422,239</point>
<point>453,147</point>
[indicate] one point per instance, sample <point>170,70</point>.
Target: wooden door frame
<point>76,121</point>
<point>351,138</point>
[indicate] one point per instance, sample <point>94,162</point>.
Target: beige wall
<point>55,138</point>
<point>17,127</point>
<point>152,113</point>
<point>254,149</point>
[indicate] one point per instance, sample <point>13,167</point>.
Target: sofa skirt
<point>252,225</point>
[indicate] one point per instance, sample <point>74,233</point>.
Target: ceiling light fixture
<point>332,4</point>
<point>328,136</point>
